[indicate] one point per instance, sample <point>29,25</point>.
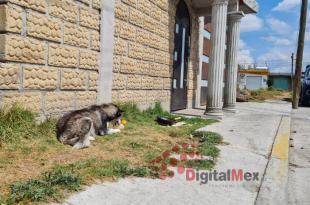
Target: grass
<point>269,94</point>
<point>48,186</point>
<point>34,167</point>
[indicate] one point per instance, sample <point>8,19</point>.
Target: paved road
<point>299,169</point>
<point>250,135</point>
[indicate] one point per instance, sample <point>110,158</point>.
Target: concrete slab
<point>299,169</point>
<point>250,135</point>
<point>274,186</point>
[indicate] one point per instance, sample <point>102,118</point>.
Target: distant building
<point>281,80</point>
<point>253,79</point>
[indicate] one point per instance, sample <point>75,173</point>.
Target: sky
<point>269,37</point>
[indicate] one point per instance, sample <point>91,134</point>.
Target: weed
<point>31,190</point>
<point>210,137</point>
<point>46,187</point>
<point>16,124</point>
<point>208,149</point>
<point>200,164</point>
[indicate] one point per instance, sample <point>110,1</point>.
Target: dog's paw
<point>78,145</point>
<point>81,145</point>
<point>91,138</point>
<point>113,131</point>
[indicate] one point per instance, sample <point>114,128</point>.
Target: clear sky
<point>270,36</point>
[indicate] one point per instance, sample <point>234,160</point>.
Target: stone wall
<point>48,53</point>
<point>144,43</point>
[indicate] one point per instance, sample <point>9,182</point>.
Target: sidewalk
<point>299,169</point>
<point>250,135</point>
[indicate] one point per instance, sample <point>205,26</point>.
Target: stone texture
<point>128,31</point>
<point>92,80</point>
<point>72,79</point>
<point>136,50</point>
<point>163,4</point>
<point>119,81</point>
<point>89,59</point>
<point>96,4</point>
<point>167,83</point>
<point>38,5</point>
<point>132,3</point>
<point>128,65</point>
<point>147,82</point>
<point>120,46</point>
<point>158,95</point>
<point>116,63</point>
<point>143,37</point>
<point>57,102</point>
<point>17,48</point>
<point>31,100</point>
<point>85,99</point>
<point>89,18</point>
<point>155,13</point>
<point>95,40</point>
<point>159,70</point>
<point>148,23</point>
<point>9,76</point>
<point>10,18</point>
<point>63,56</point>
<point>87,2</point>
<point>76,35</point>
<point>134,82</point>
<point>138,96</point>
<point>143,67</point>
<point>66,10</point>
<point>121,11</point>
<point>144,6</point>
<point>40,77</point>
<point>41,26</point>
<point>136,17</point>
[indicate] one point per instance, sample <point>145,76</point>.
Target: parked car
<point>305,87</point>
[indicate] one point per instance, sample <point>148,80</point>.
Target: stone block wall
<point>142,51</point>
<point>49,53</point>
<point>143,48</point>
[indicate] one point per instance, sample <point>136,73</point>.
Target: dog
<point>79,127</point>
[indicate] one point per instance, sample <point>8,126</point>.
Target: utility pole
<point>292,72</point>
<point>300,52</point>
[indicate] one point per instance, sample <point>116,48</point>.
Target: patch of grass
<point>109,168</point>
<point>208,149</point>
<point>199,164</point>
<point>210,137</point>
<point>41,189</point>
<point>269,94</point>
<point>18,124</point>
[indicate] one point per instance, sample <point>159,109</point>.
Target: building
<point>253,79</point>
<point>281,81</point>
<point>59,55</point>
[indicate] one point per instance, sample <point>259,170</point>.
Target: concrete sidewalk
<point>299,169</point>
<point>250,135</point>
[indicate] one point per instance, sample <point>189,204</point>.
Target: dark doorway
<point>180,57</point>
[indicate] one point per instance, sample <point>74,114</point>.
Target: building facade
<point>60,55</point>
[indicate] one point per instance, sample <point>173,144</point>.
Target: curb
<point>273,189</point>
